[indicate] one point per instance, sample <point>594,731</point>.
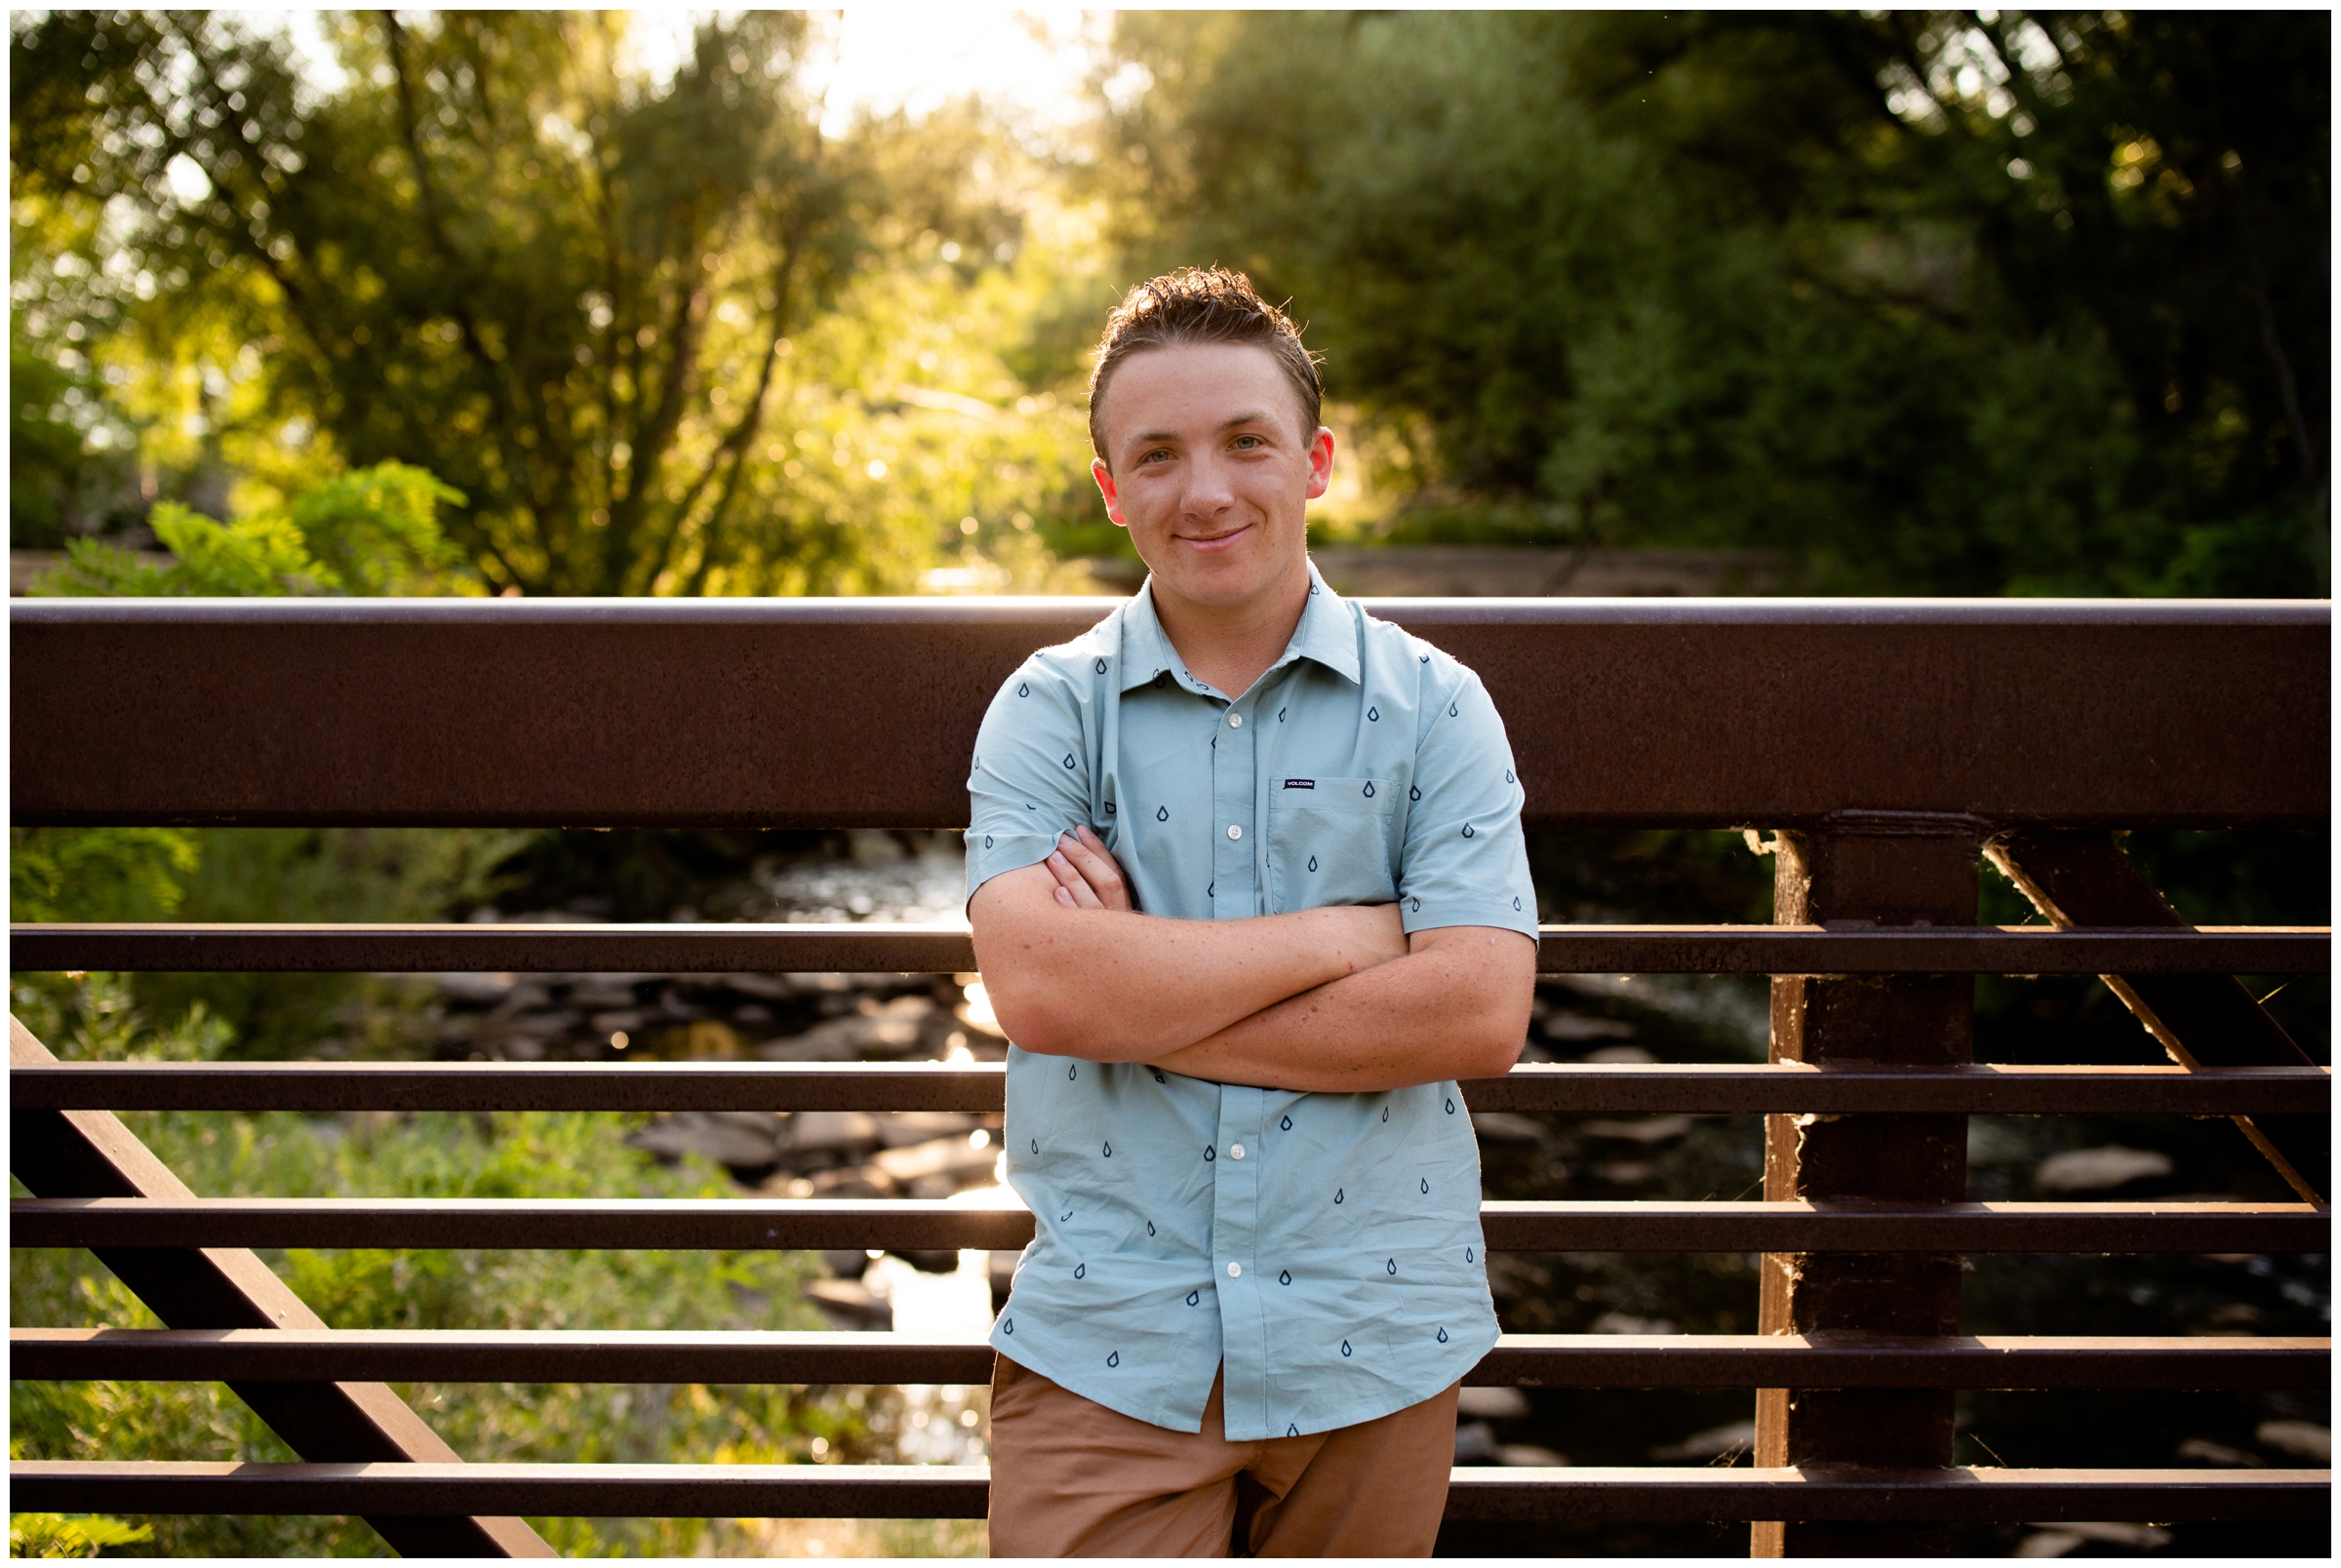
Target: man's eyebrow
<point>1254,416</point>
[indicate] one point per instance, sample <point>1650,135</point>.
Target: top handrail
<point>862,713</point>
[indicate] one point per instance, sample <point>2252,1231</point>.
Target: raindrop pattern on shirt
<point>1392,1265</point>
<point>1345,1348</point>
<point>1286,1124</point>
<point>1114,1359</point>
<point>1068,762</point>
<point>1312,862</point>
<point>1426,1187</point>
<point>1082,1271</point>
<point>1373,715</point>
<point>1162,814</point>
<point>1414,792</point>
<point>1150,1228</point>
<point>1442,1336</point>
<point>1339,1192</point>
<point>1469,831</point>
<point>1370,788</point>
<point>1194,1296</point>
<point>1023,689</point>
<point>1008,1325</point>
<point>1450,1107</point>
<point>1284,1278</point>
<point>1109,1150</point>
<point>1102,666</point>
<point>1210,1154</point>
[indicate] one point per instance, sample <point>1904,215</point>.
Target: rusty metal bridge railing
<point>1884,744</point>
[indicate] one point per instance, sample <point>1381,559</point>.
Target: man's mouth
<point>1218,541</point>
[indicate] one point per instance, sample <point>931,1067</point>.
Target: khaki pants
<point>1071,1478</point>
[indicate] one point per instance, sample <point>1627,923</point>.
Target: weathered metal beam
<point>190,1285</point>
<point>826,714</point>
<point>1524,1360</point>
<point>1578,1088</point>
<point>1892,869</point>
<point>2200,1020</point>
<point>747,1224</point>
<point>963,1491</point>
<point>668,949</point>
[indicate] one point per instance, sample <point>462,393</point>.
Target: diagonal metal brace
<point>91,1153</point>
<point>2085,878</point>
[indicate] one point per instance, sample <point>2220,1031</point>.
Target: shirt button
<point>1235,1271</point>
<point>1235,721</point>
<point>1234,1151</point>
<point>1235,830</point>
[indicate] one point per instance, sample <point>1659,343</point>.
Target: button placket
<point>1235,837</point>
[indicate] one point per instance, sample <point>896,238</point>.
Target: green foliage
<point>98,873</point>
<point>538,1156</point>
<point>70,1535</point>
<point>1926,302</point>
<point>372,531</point>
<point>608,307</point>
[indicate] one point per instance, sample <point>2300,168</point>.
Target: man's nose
<point>1209,491</point>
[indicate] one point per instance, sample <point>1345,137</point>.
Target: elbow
<point>1029,1016</point>
<point>1498,1052</point>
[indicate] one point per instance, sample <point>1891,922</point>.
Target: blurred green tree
<point>1948,302</point>
<point>501,248</point>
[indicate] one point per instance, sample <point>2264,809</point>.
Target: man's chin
<point>1225,580</point>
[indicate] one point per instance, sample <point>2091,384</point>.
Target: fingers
<point>1070,882</point>
<point>1088,854</point>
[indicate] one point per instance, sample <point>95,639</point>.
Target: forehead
<point>1194,389</point>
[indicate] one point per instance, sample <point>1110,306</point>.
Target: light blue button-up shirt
<point>1325,1248</point>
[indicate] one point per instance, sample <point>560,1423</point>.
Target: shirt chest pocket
<point>1331,841</point>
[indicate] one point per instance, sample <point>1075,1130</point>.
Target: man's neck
<point>1232,646</point>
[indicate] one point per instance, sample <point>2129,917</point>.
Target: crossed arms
<point>1329,1000</point>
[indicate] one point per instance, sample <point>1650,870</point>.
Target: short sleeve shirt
<point>1324,1249</point>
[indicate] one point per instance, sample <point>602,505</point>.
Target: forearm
<point>1457,1008</point>
<point>1111,986</point>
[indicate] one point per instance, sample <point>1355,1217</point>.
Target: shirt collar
<point>1325,634</point>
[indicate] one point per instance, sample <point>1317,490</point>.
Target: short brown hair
<point>1202,305</point>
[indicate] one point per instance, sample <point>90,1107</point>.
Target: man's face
<point>1211,471</point>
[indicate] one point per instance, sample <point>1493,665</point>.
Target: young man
<point>1249,893</point>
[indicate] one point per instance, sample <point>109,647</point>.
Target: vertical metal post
<point>1865,869</point>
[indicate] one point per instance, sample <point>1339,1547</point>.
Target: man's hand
<point>1087,876</point>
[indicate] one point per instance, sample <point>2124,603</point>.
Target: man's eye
<point>1247,443</point>
<point>1162,452</point>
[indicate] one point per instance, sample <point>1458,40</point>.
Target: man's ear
<point>1106,488</point>
<point>1321,462</point>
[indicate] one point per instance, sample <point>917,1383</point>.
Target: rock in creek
<point>2099,1170</point>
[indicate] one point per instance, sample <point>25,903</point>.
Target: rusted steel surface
<point>1576,1089</point>
<point>824,714</point>
<point>91,1151</point>
<point>1894,869</point>
<point>1524,1360</point>
<point>962,1491</point>
<point>2200,1020</point>
<point>662,948</point>
<point>906,1224</point>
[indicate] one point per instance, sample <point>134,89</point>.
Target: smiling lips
<point>1218,541</point>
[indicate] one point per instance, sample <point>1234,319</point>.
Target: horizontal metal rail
<point>1524,1360</point>
<point>1588,1088</point>
<point>667,949</point>
<point>724,713</point>
<point>751,1224</point>
<point>962,1491</point>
